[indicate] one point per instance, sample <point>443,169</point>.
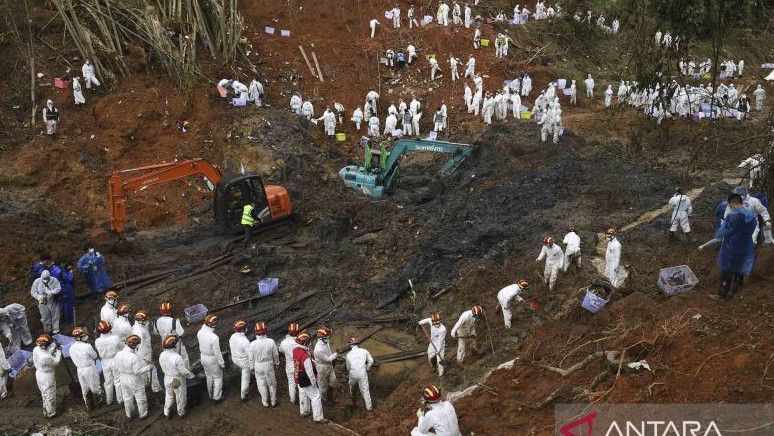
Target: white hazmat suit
<point>212,361</point>
<point>436,349</point>
<point>264,356</point>
<point>46,361</point>
<point>45,290</point>
<point>176,374</point>
<point>505,296</point>
<point>359,362</point>
<point>84,356</point>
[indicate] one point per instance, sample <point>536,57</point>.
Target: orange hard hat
<point>548,240</point>
<point>124,309</point>
<point>44,340</point>
<point>303,338</point>
<point>324,332</point>
<point>165,308</point>
<point>293,329</point>
<point>240,325</point>
<point>435,317</point>
<point>79,331</point>
<point>141,315</point>
<point>133,341</point>
<point>111,295</point>
<point>211,320</point>
<point>611,231</point>
<point>104,327</point>
<point>523,284</point>
<point>477,310</point>
<point>170,341</point>
<point>431,394</point>
<point>260,328</point>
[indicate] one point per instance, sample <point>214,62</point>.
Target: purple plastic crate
<point>593,303</point>
<point>268,286</point>
<point>195,313</point>
<point>18,361</point>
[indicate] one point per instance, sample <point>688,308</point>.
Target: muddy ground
<point>347,260</point>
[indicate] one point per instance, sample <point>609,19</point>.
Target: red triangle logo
<point>587,421</point>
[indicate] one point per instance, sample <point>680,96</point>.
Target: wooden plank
<point>306,59</point>
<point>319,71</point>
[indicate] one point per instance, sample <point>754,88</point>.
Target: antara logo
<point>641,428</point>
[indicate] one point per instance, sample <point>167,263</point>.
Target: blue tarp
<point>737,251</point>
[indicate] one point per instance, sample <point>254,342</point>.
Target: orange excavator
<point>231,192</point>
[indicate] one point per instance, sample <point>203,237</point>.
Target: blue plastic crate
<point>593,303</point>
<point>18,361</point>
<point>195,313</point>
<point>268,286</point>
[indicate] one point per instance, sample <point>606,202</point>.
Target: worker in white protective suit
<point>211,357</point>
<point>501,45</point>
<point>476,102</point>
<point>612,256</point>
<point>468,96</point>
<point>108,311</point>
<point>390,124</point>
<point>5,368</point>
<point>415,122</point>
<point>176,374</point>
<point>456,14</point>
<point>45,290</point>
<point>133,369</point>
<point>122,326</point>
<point>509,294</point>
<point>468,14</point>
<point>287,346</point>
<point>264,357</point>
<point>396,17</point>
<point>754,166</point>
<point>240,89</point>
<point>411,52</point>
<point>760,97</point>
<point>305,372</point>
<point>453,66</point>
<point>145,350</point>
<point>108,344</point>
<point>325,357</point>
<point>609,96</point>
<point>554,257</point>
<point>758,209</point>
<point>470,67</point>
<point>329,122</point>
<point>357,117</point>
<point>46,357</point>
<point>239,346</point>
<point>589,84</point>
<point>295,104</point>
<point>406,123</point>
<point>166,325</point>
<point>516,105</point>
<point>465,330</point>
<point>572,250</point>
<point>307,110</point>
<point>438,121</point>
<point>410,16</point>
<point>255,92</point>
<point>78,92</point>
<point>442,16</point>
<point>13,325</point>
<point>440,418</point>
<point>414,106</point>
<point>436,348</point>
<point>359,362</point>
<point>372,24</point>
<point>84,357</point>
<point>373,98</point>
<point>681,212</point>
<point>373,126</point>
<point>88,74</point>
<point>433,67</point>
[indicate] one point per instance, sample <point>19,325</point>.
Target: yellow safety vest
<point>247,217</point>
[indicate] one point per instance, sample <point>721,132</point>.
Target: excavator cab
<point>232,194</point>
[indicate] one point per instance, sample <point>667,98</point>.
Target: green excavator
<point>376,179</point>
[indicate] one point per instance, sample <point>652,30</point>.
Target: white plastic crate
<point>676,280</point>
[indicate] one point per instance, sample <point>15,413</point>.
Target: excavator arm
<point>119,189</point>
<point>458,151</point>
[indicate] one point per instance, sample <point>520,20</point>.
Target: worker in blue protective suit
<point>67,294</point>
<point>44,263</point>
<point>720,210</point>
<point>737,249</point>
<point>92,266</point>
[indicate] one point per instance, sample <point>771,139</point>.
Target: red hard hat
<point>79,331</point>
<point>240,325</point>
<point>431,394</point>
<point>104,327</point>
<point>293,329</point>
<point>523,284</point>
<point>548,240</point>
<point>170,341</point>
<point>611,231</point>
<point>260,328</point>
<point>435,317</point>
<point>324,332</point>
<point>211,320</point>
<point>133,341</point>
<point>111,295</point>
<point>165,308</point>
<point>141,315</point>
<point>44,340</point>
<point>124,309</point>
<point>303,338</point>
<point>477,310</point>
